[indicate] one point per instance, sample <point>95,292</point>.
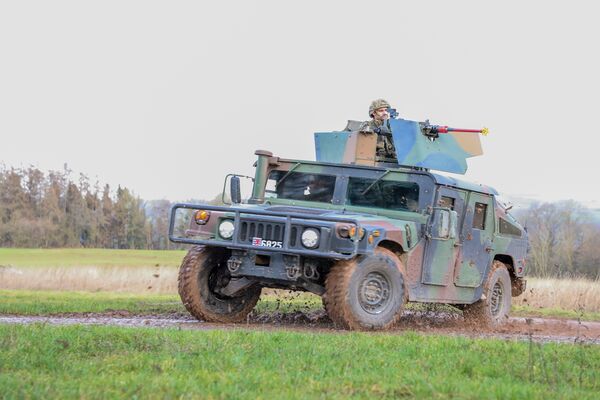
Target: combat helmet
<point>375,104</point>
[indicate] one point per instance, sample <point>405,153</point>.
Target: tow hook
<point>293,272</point>
<point>233,264</point>
<point>310,270</point>
<point>292,267</point>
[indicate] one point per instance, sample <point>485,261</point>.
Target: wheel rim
<point>497,299</point>
<point>374,293</point>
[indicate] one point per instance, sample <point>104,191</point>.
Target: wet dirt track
<point>429,323</point>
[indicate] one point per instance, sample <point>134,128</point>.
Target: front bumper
<point>292,225</point>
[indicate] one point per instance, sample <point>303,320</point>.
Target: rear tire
<point>367,292</point>
<point>203,271</point>
<point>494,307</point>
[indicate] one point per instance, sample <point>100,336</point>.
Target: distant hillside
<point>521,204</point>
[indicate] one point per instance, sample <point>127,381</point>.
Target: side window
<point>479,216</point>
<point>506,228</point>
<point>447,202</point>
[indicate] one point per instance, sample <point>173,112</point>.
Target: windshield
<point>391,195</point>
<point>300,186</point>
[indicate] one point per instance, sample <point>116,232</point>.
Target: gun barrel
<point>464,130</point>
<point>447,129</point>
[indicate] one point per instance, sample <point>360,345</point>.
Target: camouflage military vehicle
<point>366,234</point>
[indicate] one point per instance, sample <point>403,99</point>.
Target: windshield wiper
<point>387,171</point>
<point>288,173</point>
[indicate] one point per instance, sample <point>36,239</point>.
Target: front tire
<point>494,307</point>
<point>367,292</point>
<point>203,271</point>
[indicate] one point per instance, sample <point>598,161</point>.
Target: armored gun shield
<point>447,152</point>
<point>443,152</point>
<point>346,147</point>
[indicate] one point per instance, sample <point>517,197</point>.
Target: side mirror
<point>444,222</point>
<point>235,190</point>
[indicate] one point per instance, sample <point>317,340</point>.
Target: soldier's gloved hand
<point>366,129</point>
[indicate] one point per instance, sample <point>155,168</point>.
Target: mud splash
<point>538,330</point>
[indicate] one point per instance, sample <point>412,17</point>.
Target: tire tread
<point>191,296</point>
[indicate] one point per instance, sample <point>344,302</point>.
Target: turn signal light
<point>361,232</point>
<point>201,217</point>
<point>346,231</point>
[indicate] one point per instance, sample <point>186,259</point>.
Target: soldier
<point>380,124</point>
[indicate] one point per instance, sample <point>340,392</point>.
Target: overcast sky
<point>166,98</point>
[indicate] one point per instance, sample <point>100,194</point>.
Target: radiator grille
<point>263,230</point>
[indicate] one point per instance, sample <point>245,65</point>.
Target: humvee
<point>366,234</point>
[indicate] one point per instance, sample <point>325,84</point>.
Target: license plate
<point>266,243</point>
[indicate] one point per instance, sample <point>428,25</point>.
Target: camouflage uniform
<point>385,144</point>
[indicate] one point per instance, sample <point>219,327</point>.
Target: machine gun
<point>434,131</point>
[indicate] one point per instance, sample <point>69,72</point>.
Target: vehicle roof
<point>438,178</point>
<point>460,184</point>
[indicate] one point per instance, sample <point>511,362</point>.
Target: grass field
<point>27,302</point>
<point>565,294</point>
<point>90,257</point>
<point>154,273</point>
<point>43,361</point>
<point>129,279</point>
<point>133,271</point>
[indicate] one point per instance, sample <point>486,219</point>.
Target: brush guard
<point>288,219</point>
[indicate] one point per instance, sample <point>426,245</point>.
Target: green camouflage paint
<point>444,152</point>
<point>449,271</point>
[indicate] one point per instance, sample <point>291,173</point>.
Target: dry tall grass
<point>565,294</point>
<point>156,280</point>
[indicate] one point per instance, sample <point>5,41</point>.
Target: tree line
<point>564,239</point>
<point>46,210</point>
<point>51,209</point>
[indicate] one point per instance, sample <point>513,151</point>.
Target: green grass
<point>525,311</point>
<point>92,257</point>
<point>27,302</point>
<point>43,361</point>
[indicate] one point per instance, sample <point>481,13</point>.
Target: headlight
<point>226,229</point>
<point>310,238</point>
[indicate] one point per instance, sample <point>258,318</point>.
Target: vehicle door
<point>441,253</point>
<point>477,241</point>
